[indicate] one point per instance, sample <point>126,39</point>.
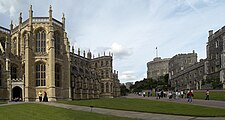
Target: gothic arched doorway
<point>17,93</point>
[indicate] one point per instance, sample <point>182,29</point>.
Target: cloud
<point>12,6</point>
<point>120,51</point>
<point>127,76</point>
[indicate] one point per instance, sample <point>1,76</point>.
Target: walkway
<point>207,103</point>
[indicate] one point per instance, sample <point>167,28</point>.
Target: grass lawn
<point>151,106</point>
<point>30,111</point>
<point>213,95</point>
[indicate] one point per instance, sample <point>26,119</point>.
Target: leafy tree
<point>123,90</point>
<point>147,84</point>
<point>216,83</point>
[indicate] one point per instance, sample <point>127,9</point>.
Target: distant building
<point>158,67</point>
<point>180,70</point>
<point>189,78</point>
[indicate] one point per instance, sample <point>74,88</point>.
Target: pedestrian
<point>143,94</point>
<point>207,95</point>
<point>45,99</point>
<point>182,93</point>
<point>40,96</point>
<point>161,94</point>
<point>189,96</point>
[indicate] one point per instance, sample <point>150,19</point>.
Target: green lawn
<point>151,106</point>
<point>212,95</point>
<point>30,111</point>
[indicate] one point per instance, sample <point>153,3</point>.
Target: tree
<point>123,90</point>
<point>147,84</point>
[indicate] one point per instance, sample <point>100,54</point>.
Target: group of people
<point>45,98</point>
<point>190,95</point>
<point>176,94</point>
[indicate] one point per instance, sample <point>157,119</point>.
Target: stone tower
<point>42,45</point>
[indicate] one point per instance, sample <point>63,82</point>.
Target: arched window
<point>41,41</point>
<point>57,43</point>
<point>24,42</point>
<point>2,42</point>
<point>0,75</point>
<point>57,75</point>
<point>107,87</point>
<point>13,71</point>
<point>102,87</point>
<point>40,74</point>
<point>13,46</point>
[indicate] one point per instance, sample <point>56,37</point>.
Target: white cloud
<point>120,51</point>
<point>12,7</point>
<point>128,76</point>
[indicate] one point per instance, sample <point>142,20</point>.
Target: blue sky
<point>131,29</point>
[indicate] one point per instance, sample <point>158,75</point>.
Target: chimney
<point>210,32</point>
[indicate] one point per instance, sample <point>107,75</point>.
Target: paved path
<point>207,103</point>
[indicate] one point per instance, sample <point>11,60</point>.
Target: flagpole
<point>156,51</point>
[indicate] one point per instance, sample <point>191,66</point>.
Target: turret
<point>89,54</point>
<point>20,19</point>
<point>84,54</point>
<point>30,15</point>
<point>63,21</point>
<point>50,14</point>
<point>11,26</point>
<point>78,51</point>
<point>73,49</point>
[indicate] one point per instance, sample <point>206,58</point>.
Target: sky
<point>130,29</point>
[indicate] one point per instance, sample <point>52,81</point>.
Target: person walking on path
<point>45,99</point>
<point>207,95</point>
<point>40,96</point>
<point>189,96</point>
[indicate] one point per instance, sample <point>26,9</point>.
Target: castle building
<point>180,72</point>
<point>196,73</point>
<point>158,67</point>
<point>35,57</point>
<point>191,77</point>
<point>216,55</point>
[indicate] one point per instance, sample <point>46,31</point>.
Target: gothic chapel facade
<point>35,56</point>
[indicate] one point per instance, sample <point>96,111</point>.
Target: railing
<point>34,20</point>
<point>4,30</point>
<point>40,19</point>
<point>17,80</point>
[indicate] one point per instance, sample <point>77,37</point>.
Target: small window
<point>217,43</point>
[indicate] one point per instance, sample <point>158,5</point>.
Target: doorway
<point>17,94</point>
